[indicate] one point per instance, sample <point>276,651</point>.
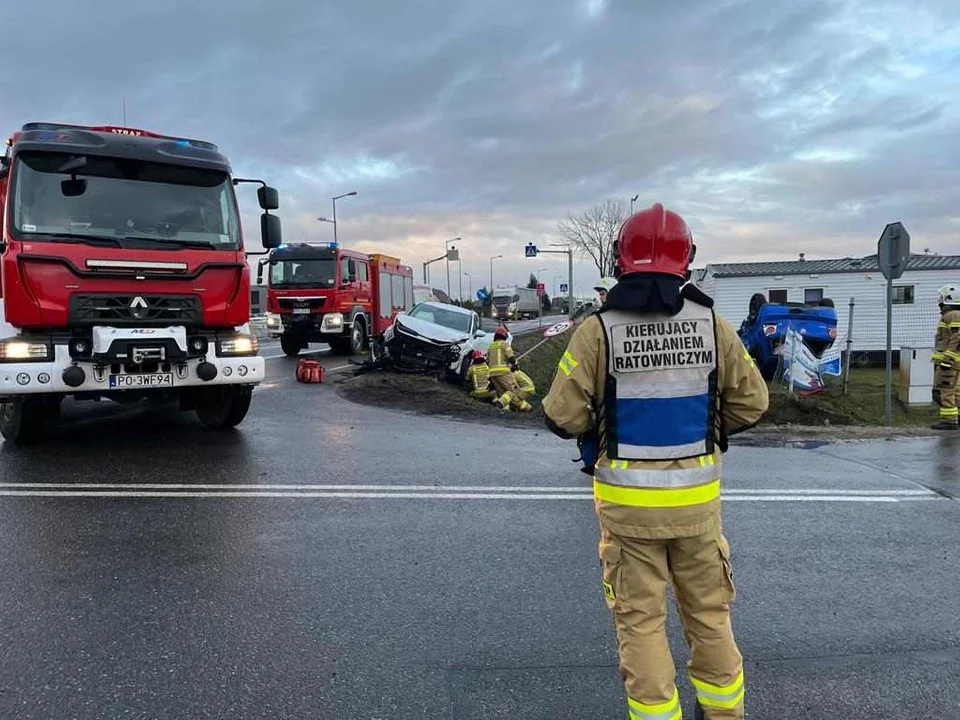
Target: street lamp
<point>446,247</point>
<point>334,221</point>
<point>470,281</point>
<point>633,200</point>
<point>323,219</point>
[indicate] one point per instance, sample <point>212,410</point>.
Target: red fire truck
<point>123,275</point>
<point>328,294</point>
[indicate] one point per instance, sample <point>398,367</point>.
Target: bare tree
<point>593,232</point>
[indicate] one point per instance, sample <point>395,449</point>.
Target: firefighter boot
<point>503,402</point>
<point>944,425</point>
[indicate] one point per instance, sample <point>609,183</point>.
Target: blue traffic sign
<point>482,294</point>
<point>564,287</point>
<point>530,250</point>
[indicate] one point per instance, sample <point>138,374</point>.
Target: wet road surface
<point>329,560</point>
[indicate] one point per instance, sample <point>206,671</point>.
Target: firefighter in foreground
<point>946,355</point>
<point>478,377</point>
<point>500,358</point>
<point>652,386</point>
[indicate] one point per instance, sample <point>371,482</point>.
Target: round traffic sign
<point>558,329</point>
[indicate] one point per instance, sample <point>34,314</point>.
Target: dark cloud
<point>491,120</point>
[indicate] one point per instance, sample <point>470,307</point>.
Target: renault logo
<point>137,306</point>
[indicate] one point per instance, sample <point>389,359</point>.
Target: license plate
<point>143,380</point>
<point>301,311</point>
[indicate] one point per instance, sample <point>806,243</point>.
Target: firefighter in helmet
<point>500,357</point>
<point>478,377</point>
<point>946,355</point>
<point>652,386</point>
<point>603,288</point>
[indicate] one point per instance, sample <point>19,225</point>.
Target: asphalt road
<point>335,561</point>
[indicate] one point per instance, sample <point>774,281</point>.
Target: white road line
<point>438,488</point>
<point>360,495</point>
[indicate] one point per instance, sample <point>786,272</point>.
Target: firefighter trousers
<point>945,393</point>
<point>636,574</point>
<point>507,392</point>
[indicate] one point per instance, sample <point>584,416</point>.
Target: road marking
<point>424,492</point>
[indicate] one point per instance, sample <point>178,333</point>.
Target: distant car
<point>436,336</point>
<point>766,325</point>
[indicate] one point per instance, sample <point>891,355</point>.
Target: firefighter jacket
<point>946,349</point>
<point>657,395</point>
<point>525,383</point>
<point>499,357</point>
<point>478,381</point>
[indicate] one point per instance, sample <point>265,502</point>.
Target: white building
<point>915,311</point>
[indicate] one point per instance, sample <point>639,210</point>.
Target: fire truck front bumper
<point>25,371</point>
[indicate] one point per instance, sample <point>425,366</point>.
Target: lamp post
<point>539,297</point>
<point>633,200</point>
<point>349,194</point>
<point>323,219</point>
<point>446,247</point>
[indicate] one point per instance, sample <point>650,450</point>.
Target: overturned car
<point>432,338</point>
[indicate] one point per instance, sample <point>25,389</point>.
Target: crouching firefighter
<point>500,357</point>
<point>525,385</point>
<point>652,385</point>
<point>478,377</point>
<point>946,355</point>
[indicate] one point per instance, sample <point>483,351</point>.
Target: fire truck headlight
<point>273,321</point>
<point>13,350</point>
<point>239,345</point>
<point>333,321</point>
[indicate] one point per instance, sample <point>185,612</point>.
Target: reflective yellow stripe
<point>937,356</point>
<point>669,710</point>
<point>955,325</point>
<point>656,497</point>
<point>570,359</point>
<point>566,368</point>
<point>725,696</point>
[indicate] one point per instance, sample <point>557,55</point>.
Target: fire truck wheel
<point>290,345</point>
<point>23,421</point>
<point>223,407</point>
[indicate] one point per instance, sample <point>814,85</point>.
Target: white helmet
<point>949,295</point>
<point>605,284</point>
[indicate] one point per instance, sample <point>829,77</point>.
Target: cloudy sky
<point>803,127</point>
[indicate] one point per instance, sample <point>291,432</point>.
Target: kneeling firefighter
<point>500,357</point>
<point>478,377</point>
<point>525,385</point>
<point>652,386</point>
<point>946,355</point>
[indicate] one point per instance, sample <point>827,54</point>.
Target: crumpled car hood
<point>431,331</point>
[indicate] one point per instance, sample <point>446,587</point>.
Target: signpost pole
<point>888,383</point>
<point>846,371</point>
<point>570,281</point>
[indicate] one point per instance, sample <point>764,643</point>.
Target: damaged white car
<point>433,337</point>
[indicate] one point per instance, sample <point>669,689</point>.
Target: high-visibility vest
<point>498,358</point>
<point>948,327</point>
<point>479,377</point>
<point>660,405</point>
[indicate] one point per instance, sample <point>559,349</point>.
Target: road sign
<point>893,250</point>
<point>558,329</point>
<point>564,287</point>
<point>530,250</point>
<point>540,288</point>
<point>482,294</point>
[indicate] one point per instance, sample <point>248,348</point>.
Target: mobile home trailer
<point>915,311</point>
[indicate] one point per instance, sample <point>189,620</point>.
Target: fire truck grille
<point>295,303</point>
<point>133,309</point>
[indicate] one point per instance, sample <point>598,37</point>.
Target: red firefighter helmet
<point>655,240</point>
<point>500,334</point>
<point>478,355</point>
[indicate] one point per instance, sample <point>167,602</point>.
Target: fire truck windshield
<point>62,197</point>
<point>313,272</point>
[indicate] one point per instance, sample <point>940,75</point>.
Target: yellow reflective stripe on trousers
<point>567,363</point>
<point>659,497</point>
<point>725,696</point>
<point>669,710</point>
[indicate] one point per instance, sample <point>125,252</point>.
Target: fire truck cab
<point>123,275</point>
